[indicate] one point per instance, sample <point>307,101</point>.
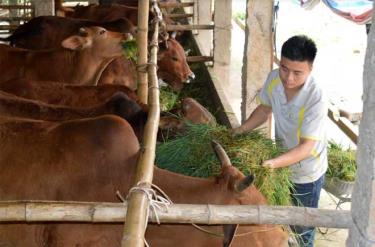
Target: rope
<point>155,202</point>
<point>143,67</point>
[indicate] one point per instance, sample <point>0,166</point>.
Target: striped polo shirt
<point>305,116</point>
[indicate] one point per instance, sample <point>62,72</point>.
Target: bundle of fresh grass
<point>168,98</point>
<point>341,163</point>
<point>191,154</point>
<point>130,49</point>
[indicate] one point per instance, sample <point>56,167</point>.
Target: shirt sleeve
<point>263,96</point>
<point>314,121</point>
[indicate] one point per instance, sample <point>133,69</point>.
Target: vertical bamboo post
<point>43,7</point>
<point>142,29</point>
<point>136,218</point>
<point>257,58</point>
<point>362,232</point>
<point>222,39</point>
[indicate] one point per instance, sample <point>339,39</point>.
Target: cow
<point>49,32</point>
<point>119,104</point>
<point>106,12</point>
<point>82,59</point>
<point>91,159</point>
<point>63,94</point>
<point>46,32</point>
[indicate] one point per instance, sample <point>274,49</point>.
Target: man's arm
<point>294,155</point>
<point>257,117</point>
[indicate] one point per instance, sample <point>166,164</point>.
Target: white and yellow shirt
<point>305,116</point>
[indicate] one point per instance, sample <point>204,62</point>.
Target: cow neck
<point>88,67</point>
<point>183,189</point>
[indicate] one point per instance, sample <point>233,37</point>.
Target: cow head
<point>237,185</point>
<point>100,41</point>
<point>173,67</point>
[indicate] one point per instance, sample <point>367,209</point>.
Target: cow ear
<point>229,231</point>
<point>75,42</point>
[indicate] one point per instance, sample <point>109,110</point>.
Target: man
<point>300,111</point>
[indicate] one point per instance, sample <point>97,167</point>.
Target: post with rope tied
<point>139,196</point>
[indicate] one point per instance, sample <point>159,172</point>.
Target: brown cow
<point>106,12</point>
<point>57,93</point>
<point>46,32</point>
<point>89,160</point>
<point>119,104</point>
<point>82,60</point>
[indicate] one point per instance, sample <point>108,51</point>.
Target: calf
<point>82,60</point>
<point>46,32</point>
<point>72,161</point>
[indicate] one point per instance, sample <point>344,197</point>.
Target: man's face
<point>293,74</point>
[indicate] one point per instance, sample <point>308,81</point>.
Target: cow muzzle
<point>190,78</point>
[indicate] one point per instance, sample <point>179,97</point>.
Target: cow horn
<point>221,154</point>
<point>245,182</point>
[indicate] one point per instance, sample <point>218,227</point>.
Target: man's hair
<point>299,48</point>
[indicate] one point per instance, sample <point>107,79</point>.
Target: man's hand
<point>269,164</point>
<point>236,131</point>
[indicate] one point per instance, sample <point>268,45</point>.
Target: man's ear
<point>75,42</point>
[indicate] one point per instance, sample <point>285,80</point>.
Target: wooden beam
<point>175,5</point>
<point>258,52</point>
<point>222,39</point>
<point>179,15</point>
<point>195,59</point>
<point>189,27</point>
<point>35,211</point>
<point>362,232</point>
<point>15,7</point>
<point>344,124</point>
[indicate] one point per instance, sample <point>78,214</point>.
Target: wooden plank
<point>189,27</point>
<point>177,213</point>
<point>15,18</point>
<point>195,59</point>
<point>257,54</point>
<point>222,39</point>
<point>176,5</point>
<point>344,124</point>
<point>16,7</point>
<point>179,15</point>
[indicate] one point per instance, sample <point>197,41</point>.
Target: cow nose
<point>127,36</point>
<point>190,77</point>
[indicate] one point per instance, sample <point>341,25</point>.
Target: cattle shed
<point>210,23</point>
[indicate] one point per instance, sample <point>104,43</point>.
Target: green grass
<point>341,163</point>
<point>191,154</point>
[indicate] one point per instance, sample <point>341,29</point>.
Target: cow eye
<point>174,58</point>
<point>102,32</point>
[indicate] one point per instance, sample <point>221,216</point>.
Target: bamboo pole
<point>136,219</point>
<point>142,29</point>
<point>42,211</point>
